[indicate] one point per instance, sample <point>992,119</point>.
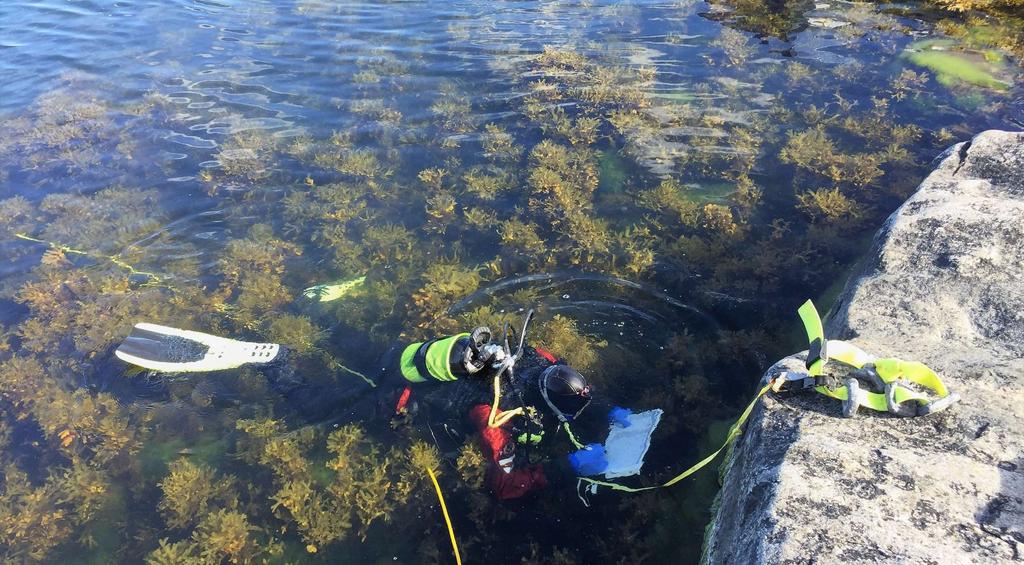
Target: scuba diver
<point>515,402</point>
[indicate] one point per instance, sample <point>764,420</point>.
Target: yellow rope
<point>368,380</point>
<point>112,258</point>
<point>572,436</point>
<point>493,420</point>
<point>335,364</point>
<point>447,519</point>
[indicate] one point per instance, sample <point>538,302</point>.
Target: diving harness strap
<point>891,375</point>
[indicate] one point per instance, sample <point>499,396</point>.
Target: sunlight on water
<point>663,181</point>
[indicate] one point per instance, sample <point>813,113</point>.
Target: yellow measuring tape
<point>734,432</point>
<point>447,519</point>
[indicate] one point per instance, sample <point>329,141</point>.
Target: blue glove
<point>619,416</point>
<point>589,461</point>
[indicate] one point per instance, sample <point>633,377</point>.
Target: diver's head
<point>565,391</point>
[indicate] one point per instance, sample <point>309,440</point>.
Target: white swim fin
<point>170,350</point>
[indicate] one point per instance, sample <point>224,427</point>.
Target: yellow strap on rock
<point>893,369</point>
<point>815,337</point>
<point>849,354</point>
<point>873,400</point>
<point>734,432</point>
<point>889,370</point>
<point>841,351</point>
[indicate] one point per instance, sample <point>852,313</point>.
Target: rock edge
<point>944,284</point>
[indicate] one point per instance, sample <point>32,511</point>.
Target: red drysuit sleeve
<point>503,478</point>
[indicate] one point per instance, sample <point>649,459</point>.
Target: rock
<point>944,285</point>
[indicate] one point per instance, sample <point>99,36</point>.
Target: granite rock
<point>943,284</point>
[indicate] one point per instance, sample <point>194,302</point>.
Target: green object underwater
<point>612,172</point>
<point>333,291</point>
<point>954,68</point>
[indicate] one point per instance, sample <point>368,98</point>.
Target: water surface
<point>664,181</point>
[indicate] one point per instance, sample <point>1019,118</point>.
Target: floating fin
<point>333,291</point>
<point>170,350</point>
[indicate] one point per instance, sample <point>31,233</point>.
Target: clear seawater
<point>665,182</point>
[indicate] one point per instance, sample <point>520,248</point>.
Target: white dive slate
<point>170,350</point>
<point>625,448</point>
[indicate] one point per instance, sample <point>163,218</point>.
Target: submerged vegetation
<point>743,186</point>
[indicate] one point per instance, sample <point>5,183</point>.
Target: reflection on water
<point>688,171</point>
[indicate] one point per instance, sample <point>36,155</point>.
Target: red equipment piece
<point>506,481</point>
<point>546,354</point>
<point>403,400</point>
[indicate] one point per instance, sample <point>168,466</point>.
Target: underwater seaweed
<point>299,333</point>
<point>604,156</point>
<point>183,552</point>
<point>36,519</point>
<point>717,219</point>
<point>319,519</point>
<point>522,240</point>
<point>995,6</point>
<point>453,111</point>
<point>636,246</point>
<point>16,215</point>
<point>227,534</point>
<point>499,145</point>
<point>992,35</point>
<point>191,491</point>
<point>828,205</point>
<point>773,19</point>
<point>735,44</point>
<point>562,334</point>
<point>486,183</point>
<point>75,131</point>
<point>247,155</point>
<point>445,282</point>
<point>471,466</point>
<point>32,519</point>
<point>668,198</point>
